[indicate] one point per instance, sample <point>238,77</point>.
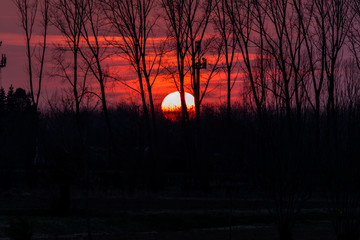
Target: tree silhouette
<point>247,18</point>
<point>175,17</point>
<point>22,100</point>
<point>95,52</point>
<point>29,11</point>
<point>2,99</point>
<point>134,22</point>
<point>10,99</point>
<point>226,30</point>
<point>68,17</point>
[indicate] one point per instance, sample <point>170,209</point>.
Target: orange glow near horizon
<point>120,69</point>
<point>171,105</point>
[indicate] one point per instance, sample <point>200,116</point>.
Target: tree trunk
<point>228,109</point>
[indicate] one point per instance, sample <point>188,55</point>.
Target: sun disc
<point>171,105</point>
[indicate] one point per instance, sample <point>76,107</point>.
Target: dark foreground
<point>318,232</point>
<point>285,177</point>
<point>146,216</point>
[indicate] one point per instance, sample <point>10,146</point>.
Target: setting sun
<point>171,105</point>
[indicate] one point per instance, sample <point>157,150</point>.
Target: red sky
<point>15,71</point>
<point>12,45</point>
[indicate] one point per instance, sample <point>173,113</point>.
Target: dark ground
<point>147,216</point>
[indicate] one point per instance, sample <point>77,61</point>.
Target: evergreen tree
<point>10,99</point>
<point>2,99</point>
<point>21,100</point>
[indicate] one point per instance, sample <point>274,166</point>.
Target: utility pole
<point>201,64</point>
<point>2,64</point>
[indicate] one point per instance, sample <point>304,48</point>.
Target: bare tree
<point>350,88</point>
<point>188,22</point>
<point>197,15</point>
<point>325,25</point>
<point>284,40</point>
<point>68,19</point>
<point>226,30</point>
<point>354,46</point>
<point>338,21</point>
<point>279,40</point>
<point>134,21</point>
<point>178,32</point>
<point>93,51</point>
<point>312,27</point>
<point>342,196</point>
<point>354,38</point>
<point>243,15</point>
<point>28,11</point>
<point>295,38</point>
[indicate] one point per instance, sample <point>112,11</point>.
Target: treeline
<point>17,100</point>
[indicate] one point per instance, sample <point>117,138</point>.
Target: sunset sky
<point>10,34</point>
<point>15,72</point>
